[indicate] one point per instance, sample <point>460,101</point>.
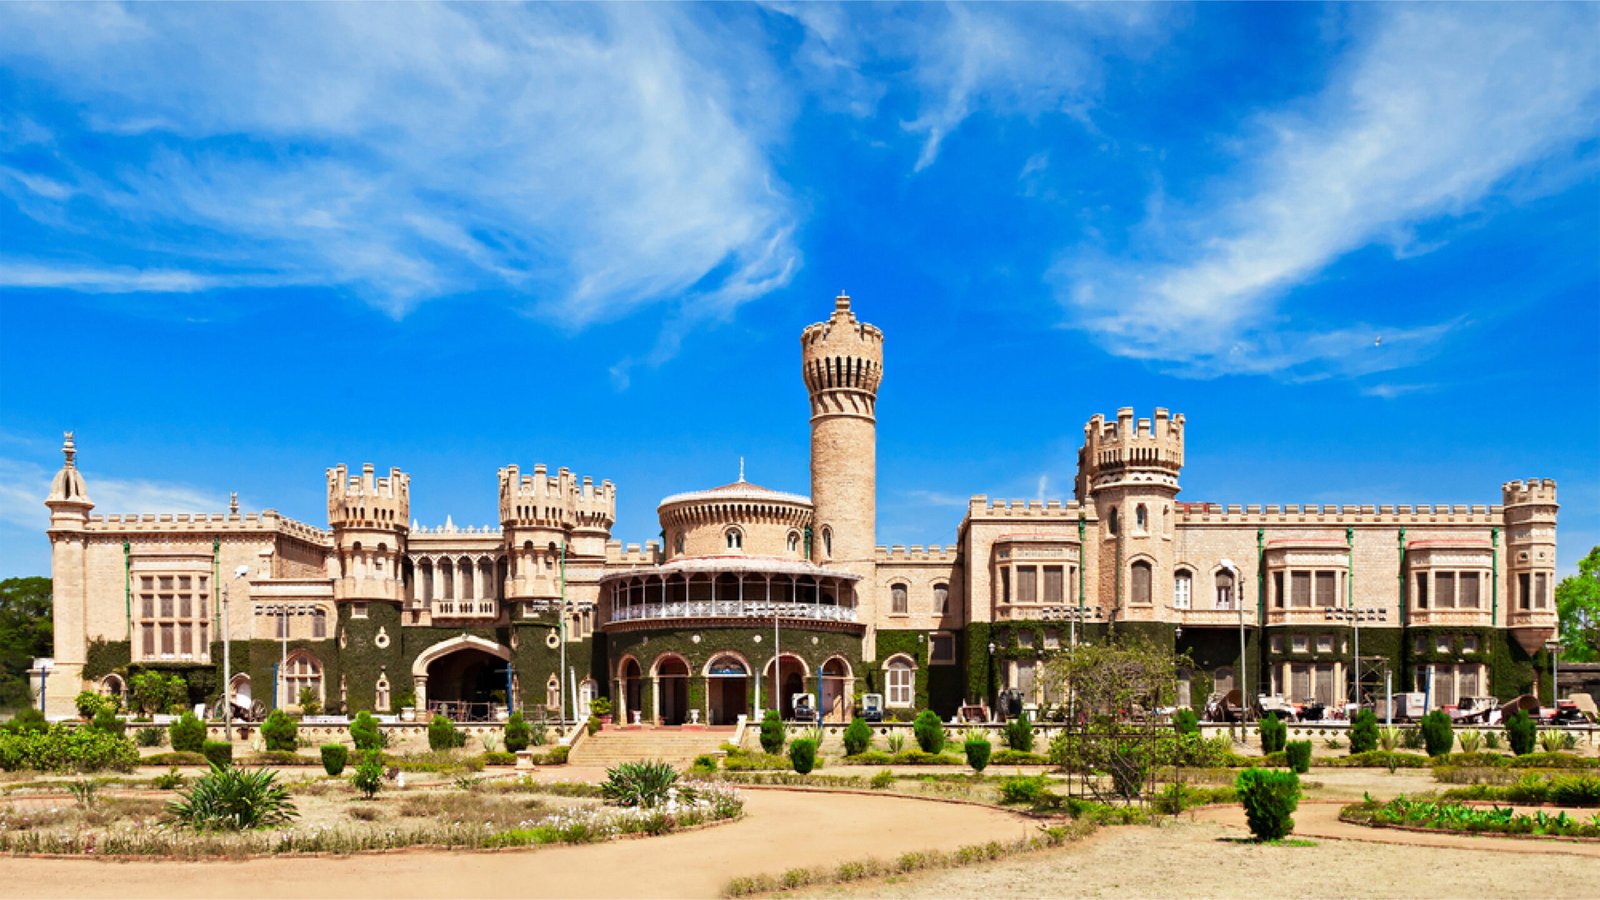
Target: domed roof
<point>68,484</point>
<point>738,490</point>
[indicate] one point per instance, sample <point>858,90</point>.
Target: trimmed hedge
<point>1274,733</point>
<point>1522,732</point>
<point>334,757</point>
<point>218,753</point>
<point>803,754</point>
<point>977,754</point>
<point>1437,734</point>
<point>174,758</point>
<point>279,731</point>
<point>772,732</point>
<point>929,731</point>
<point>1269,797</point>
<point>1364,732</point>
<point>187,734</point>
<point>857,737</point>
<point>64,748</point>
<point>1298,756</point>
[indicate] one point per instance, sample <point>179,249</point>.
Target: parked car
<point>805,708</point>
<point>1409,706</point>
<point>1476,710</point>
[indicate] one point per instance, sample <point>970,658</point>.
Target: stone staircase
<point>610,746</point>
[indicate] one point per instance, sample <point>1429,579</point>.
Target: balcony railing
<point>733,609</point>
<point>466,609</point>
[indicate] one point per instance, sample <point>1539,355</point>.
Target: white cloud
<point>1435,110</point>
<point>586,161</point>
<point>111,280</point>
<point>25,484</point>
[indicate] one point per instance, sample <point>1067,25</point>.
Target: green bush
<point>1019,758</point>
<point>1413,739</point>
<point>188,733</point>
<point>1019,734</point>
<point>106,720</point>
<point>366,734</point>
<point>1185,721</point>
<point>218,753</point>
<point>1298,755</point>
<point>1274,734</point>
<point>175,758</point>
<point>499,758</point>
<point>149,736</point>
<point>279,731</point>
<point>229,799</point>
<point>1030,790</point>
<point>1575,790</point>
<point>88,703</point>
<point>310,704</point>
<point>27,721</point>
<point>1269,797</point>
<point>63,748</point>
<point>443,735</point>
<point>929,731</point>
<point>857,737</point>
<point>644,784</point>
<point>977,753</point>
<point>803,755</point>
<point>334,756</point>
<point>518,734</point>
<point>368,776</point>
<point>772,732</point>
<point>1521,732</point>
<point>1437,734</point>
<point>1364,732</point>
<point>882,781</point>
<point>704,764</point>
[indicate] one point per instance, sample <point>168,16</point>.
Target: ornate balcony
<point>733,609</point>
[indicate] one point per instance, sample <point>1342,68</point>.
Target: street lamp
<point>1553,647</point>
<point>1238,600</point>
<point>993,696</point>
<point>227,657</point>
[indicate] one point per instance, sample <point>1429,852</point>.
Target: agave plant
<point>234,800</point>
<point>1469,741</point>
<point>1389,739</point>
<point>641,784</point>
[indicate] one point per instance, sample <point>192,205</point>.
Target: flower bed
<point>1459,818</point>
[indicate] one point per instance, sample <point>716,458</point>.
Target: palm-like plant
<point>641,784</point>
<point>234,800</point>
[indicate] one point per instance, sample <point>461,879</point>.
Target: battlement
<point>842,353</point>
<point>541,500</point>
<point>368,500</point>
<point>917,553</point>
<point>1258,516</point>
<point>633,555</point>
<point>1531,491</point>
<point>982,506</point>
<point>1114,447</point>
<point>203,525</point>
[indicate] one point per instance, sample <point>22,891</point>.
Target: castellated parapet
<point>1126,451</point>
<point>842,363</point>
<point>368,501</point>
<point>1533,491</point>
<point>561,502</point>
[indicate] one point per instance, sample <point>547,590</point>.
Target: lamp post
<point>993,696</point>
<point>1554,649</point>
<point>1244,680</point>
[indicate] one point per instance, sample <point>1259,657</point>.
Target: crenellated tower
<point>842,363</point>
<point>1129,470</point>
<point>541,514</point>
<point>69,505</point>
<point>368,515</point>
<point>1530,517</point>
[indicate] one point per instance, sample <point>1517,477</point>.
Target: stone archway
<point>836,689</point>
<point>795,677</point>
<point>461,677</point>
<point>630,689</point>
<point>670,675</point>
<point>727,688</point>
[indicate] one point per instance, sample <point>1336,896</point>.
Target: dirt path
<point>1321,820</point>
<point>781,829</point>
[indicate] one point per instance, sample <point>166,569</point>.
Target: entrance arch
<point>461,677</point>
<point>630,689</point>
<point>670,674</point>
<point>794,674</point>
<point>837,689</point>
<point>727,688</point>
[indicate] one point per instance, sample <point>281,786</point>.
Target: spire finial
<point>69,450</point>
<point>233,503</point>
<point>741,470</point>
<point>842,302</point>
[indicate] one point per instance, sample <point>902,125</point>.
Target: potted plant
<point>407,704</point>
<point>601,708</point>
<point>502,711</point>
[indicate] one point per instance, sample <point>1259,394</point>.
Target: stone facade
<point>757,596</point>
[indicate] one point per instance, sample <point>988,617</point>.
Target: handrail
<point>698,609</point>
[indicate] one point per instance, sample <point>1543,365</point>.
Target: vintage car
<point>872,707</point>
<point>1476,711</point>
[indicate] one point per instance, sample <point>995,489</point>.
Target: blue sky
<point>242,243</point>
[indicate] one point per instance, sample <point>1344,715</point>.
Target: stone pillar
<point>419,686</point>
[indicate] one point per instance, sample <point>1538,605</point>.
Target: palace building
<point>757,592</point>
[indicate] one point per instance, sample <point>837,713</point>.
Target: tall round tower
<point>368,514</point>
<point>842,362</point>
<point>1129,470</point>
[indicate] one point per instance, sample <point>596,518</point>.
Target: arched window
<point>899,681</point>
<point>552,693</point>
<point>735,539</point>
<point>1224,589</point>
<point>382,693</point>
<point>1112,521</point>
<point>897,599</point>
<point>794,542</point>
<point>1182,586</point>
<point>941,598</point>
<point>1141,518</point>
<point>827,541</point>
<point>1141,582</point>
<point>301,673</point>
<point>677,544</point>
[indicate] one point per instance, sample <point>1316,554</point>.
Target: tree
<point>1114,680</point>
<point>24,634</point>
<point>1578,606</point>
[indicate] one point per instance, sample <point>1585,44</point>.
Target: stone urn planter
<point>408,714</point>
<point>502,713</point>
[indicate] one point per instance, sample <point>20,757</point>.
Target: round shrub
<point>977,753</point>
<point>334,756</point>
<point>365,733</point>
<point>442,734</point>
<point>368,777</point>
<point>803,755</point>
<point>929,731</point>
<point>279,731</point>
<point>1186,721</point>
<point>1269,797</point>
<point>1298,755</point>
<point>1019,733</point>
<point>1437,734</point>
<point>188,733</point>
<point>1364,732</point>
<point>106,720</point>
<point>89,703</point>
<point>218,753</point>
<point>28,720</point>
<point>518,734</point>
<point>1274,734</point>
<point>772,732</point>
<point>857,737</point>
<point>1521,732</point>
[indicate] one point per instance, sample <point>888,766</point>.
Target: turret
<point>540,514</point>
<point>1530,517</point>
<point>1129,470</point>
<point>368,515</point>
<point>69,505</point>
<point>842,364</point>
